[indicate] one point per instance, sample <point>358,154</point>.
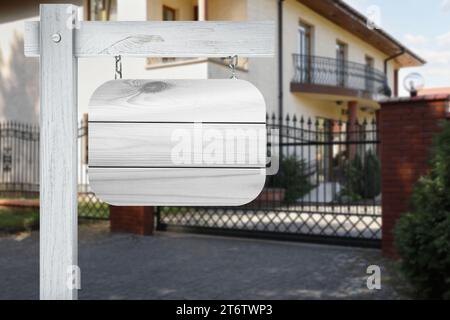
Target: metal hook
<point>233,64</point>
<point>118,69</point>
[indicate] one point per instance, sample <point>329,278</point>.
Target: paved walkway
<point>182,266</point>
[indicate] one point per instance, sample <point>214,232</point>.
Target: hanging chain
<point>118,69</point>
<point>233,64</point>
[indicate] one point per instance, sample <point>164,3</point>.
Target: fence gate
<point>328,189</point>
<point>19,167</point>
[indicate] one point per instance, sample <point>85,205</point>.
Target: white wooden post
<point>58,152</point>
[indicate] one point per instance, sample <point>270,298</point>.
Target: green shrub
<point>422,237</point>
<point>17,220</point>
<point>293,177</point>
<point>362,178</point>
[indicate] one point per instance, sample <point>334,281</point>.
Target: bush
<point>362,178</point>
<point>17,220</point>
<point>293,177</point>
<point>422,237</point>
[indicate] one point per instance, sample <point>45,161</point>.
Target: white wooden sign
<point>59,39</point>
<point>177,142</point>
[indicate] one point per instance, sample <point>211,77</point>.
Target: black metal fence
<point>327,189</point>
<point>19,167</point>
<point>311,69</point>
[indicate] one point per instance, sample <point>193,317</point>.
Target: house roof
<point>355,22</point>
<point>428,97</point>
<point>428,91</point>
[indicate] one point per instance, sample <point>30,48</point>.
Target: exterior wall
<point>325,35</point>
<point>228,10</point>
<point>93,72</point>
<point>19,76</point>
<point>184,9</point>
<point>407,128</point>
<point>263,72</point>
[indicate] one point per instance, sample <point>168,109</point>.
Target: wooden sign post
<point>59,39</point>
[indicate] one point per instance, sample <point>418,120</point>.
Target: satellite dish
<point>413,82</point>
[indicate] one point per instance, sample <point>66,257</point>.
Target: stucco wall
<point>19,76</point>
<point>325,35</point>
<point>230,10</point>
<point>184,9</point>
<point>263,72</point>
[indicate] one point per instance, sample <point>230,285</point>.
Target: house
<point>329,65</point>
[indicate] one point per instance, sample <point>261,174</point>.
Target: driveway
<point>185,266</point>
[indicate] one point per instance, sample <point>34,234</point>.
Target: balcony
<point>328,76</point>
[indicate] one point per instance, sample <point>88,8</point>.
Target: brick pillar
<point>407,128</point>
<point>351,130</point>
<point>135,220</point>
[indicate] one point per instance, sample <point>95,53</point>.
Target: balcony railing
<point>333,72</point>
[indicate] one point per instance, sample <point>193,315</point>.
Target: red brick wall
<point>135,220</point>
<point>407,127</point>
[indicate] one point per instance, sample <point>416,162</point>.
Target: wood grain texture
<point>221,100</point>
<point>167,39</point>
<point>31,38</point>
<point>58,155</point>
<point>177,142</point>
<point>177,186</point>
<point>172,145</point>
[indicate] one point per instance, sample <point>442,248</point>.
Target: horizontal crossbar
<point>165,39</point>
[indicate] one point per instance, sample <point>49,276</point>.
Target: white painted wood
<point>177,186</point>
<point>31,38</point>
<point>58,155</point>
<point>171,144</point>
<point>221,100</point>
<point>167,39</point>
<point>177,142</point>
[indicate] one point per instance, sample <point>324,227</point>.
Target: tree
<point>422,237</point>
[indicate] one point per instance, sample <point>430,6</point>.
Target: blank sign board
<point>177,142</point>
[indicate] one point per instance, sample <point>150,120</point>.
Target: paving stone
<point>186,266</point>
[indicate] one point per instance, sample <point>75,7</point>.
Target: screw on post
<point>56,37</point>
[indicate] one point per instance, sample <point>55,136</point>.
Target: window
<point>305,51</point>
<point>331,154</point>
<point>169,14</point>
<point>305,39</point>
<point>369,74</point>
<point>195,15</point>
<point>341,63</point>
<point>101,10</point>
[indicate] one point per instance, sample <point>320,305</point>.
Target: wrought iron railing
<point>311,69</point>
<point>19,167</point>
<point>328,188</point>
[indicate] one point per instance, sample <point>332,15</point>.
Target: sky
<point>423,26</point>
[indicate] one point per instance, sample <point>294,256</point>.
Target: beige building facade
<point>332,65</point>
